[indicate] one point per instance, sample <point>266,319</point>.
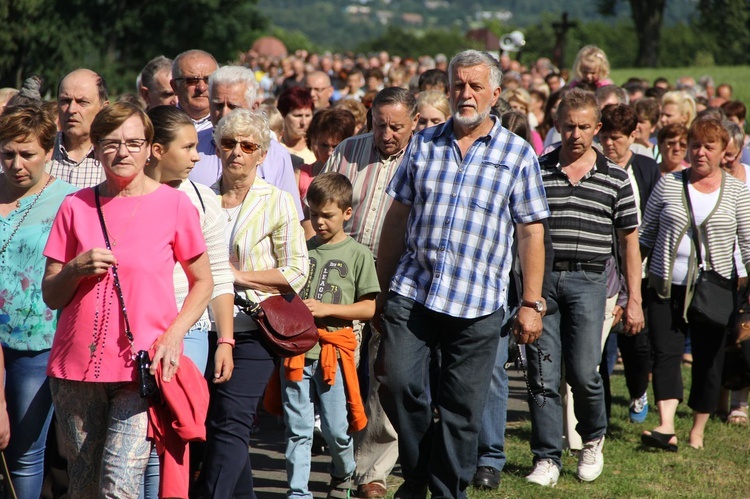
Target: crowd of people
<point>426,211</point>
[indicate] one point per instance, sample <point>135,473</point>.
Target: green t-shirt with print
<point>340,273</point>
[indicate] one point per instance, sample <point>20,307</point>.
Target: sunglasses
<point>246,147</point>
<point>191,81</point>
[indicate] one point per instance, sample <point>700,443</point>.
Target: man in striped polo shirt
<point>590,198</point>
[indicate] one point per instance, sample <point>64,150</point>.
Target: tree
<point>727,21</point>
<point>410,43</point>
<point>647,16</point>
<point>117,37</point>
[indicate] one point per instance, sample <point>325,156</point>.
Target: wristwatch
<point>228,341</point>
<point>538,305</point>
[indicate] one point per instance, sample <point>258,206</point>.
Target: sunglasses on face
<point>191,81</point>
<point>246,147</point>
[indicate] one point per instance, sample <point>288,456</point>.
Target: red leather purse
<point>285,323</point>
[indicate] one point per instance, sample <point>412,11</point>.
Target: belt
<point>572,266</point>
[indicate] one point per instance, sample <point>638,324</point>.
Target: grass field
<point>737,76</point>
<point>720,470</point>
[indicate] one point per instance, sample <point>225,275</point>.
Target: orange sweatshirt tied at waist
<point>334,345</point>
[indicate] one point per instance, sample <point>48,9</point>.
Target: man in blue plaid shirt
<point>461,191</point>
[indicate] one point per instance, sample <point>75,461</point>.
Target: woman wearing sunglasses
<point>268,255</point>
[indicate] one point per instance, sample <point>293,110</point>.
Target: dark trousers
<point>226,465</point>
<point>668,329</point>
<point>443,455</point>
<point>636,355</point>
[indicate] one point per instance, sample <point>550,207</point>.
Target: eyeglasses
<point>113,146</point>
<point>672,144</point>
<point>246,147</point>
<point>318,89</point>
<point>192,81</point>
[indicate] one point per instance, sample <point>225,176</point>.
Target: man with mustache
<point>462,191</point>
<point>81,94</point>
<point>590,198</point>
<point>369,161</point>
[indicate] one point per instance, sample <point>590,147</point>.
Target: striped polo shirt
<point>583,214</point>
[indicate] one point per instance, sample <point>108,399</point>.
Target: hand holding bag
<point>286,324</point>
<point>714,298</point>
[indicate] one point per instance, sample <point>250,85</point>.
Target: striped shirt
<point>460,229</point>
<point>85,173</point>
<point>584,214</point>
<point>361,162</point>
<point>269,236</point>
<point>665,224</point>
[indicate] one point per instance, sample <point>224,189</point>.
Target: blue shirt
<point>26,323</point>
<point>460,228</point>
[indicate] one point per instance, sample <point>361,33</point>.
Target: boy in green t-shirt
<point>341,288</point>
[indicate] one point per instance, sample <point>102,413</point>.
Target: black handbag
<point>714,297</point>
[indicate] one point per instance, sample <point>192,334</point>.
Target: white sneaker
<point>545,473</point>
<point>591,460</point>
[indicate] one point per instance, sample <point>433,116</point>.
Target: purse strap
<point>116,277</point>
<point>247,306</point>
<point>691,218</point>
<point>696,234</point>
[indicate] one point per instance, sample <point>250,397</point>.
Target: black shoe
<point>486,478</point>
<point>411,490</point>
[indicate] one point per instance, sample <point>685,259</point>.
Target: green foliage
<point>727,22</point>
<point>408,43</point>
<point>117,37</point>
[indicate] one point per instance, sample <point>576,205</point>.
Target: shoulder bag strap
<point>118,288</point>
<point>691,218</point>
<point>200,198</point>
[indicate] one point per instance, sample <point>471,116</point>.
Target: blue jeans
<point>29,404</point>
<point>442,455</point>
<point>299,398</point>
<point>572,334</point>
<point>195,347</point>
<point>491,448</point>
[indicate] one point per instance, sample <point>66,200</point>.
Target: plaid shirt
<point>85,173</point>
<point>460,228</point>
<point>361,162</point>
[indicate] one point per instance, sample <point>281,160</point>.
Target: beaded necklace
<point>23,217</point>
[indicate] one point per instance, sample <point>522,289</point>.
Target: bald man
<point>319,85</point>
<point>80,96</point>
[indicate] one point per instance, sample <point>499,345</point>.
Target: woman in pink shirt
<point>149,226</point>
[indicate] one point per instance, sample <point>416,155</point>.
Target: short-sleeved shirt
<point>85,173</point>
<point>152,232</point>
<point>26,323</point>
<point>584,214</point>
<point>340,273</point>
<point>359,160</point>
<point>460,228</point>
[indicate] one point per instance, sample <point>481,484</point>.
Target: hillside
<point>344,24</point>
